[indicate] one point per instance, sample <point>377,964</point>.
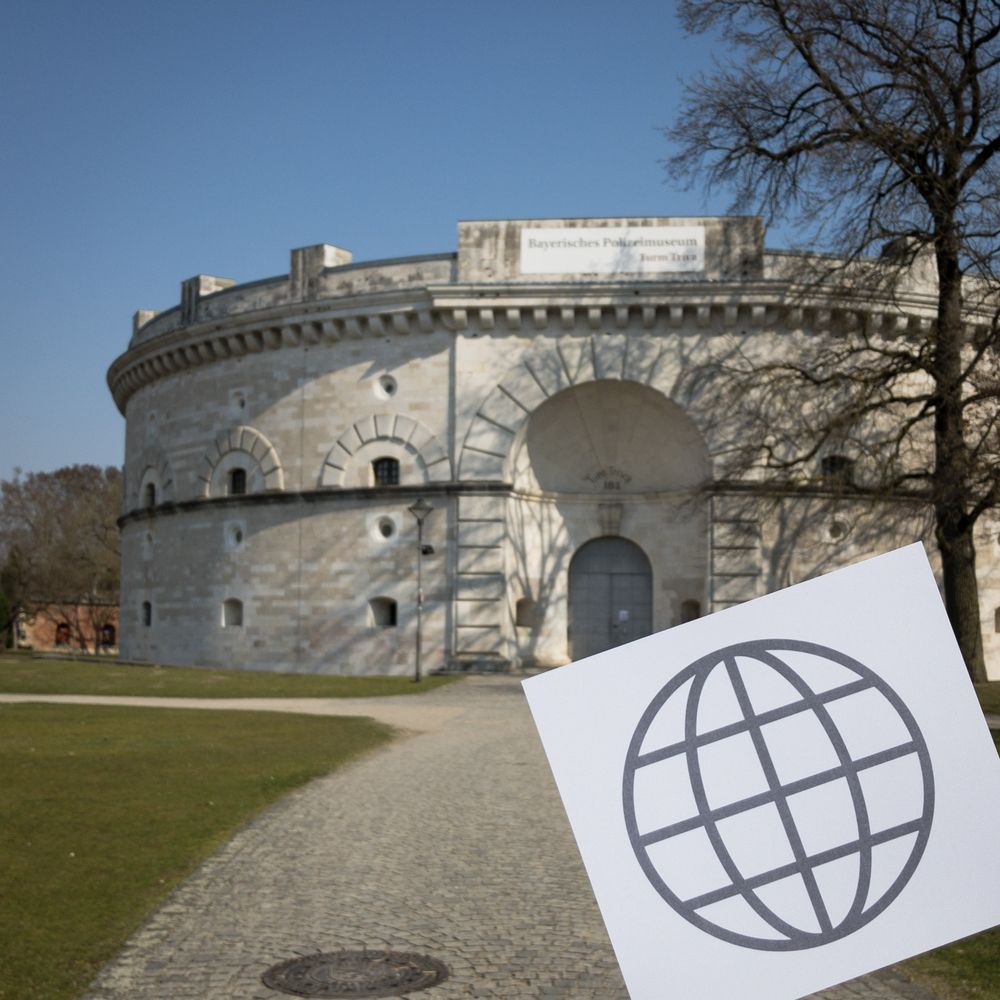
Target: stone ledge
<point>397,494</point>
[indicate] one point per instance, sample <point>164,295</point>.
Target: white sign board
<point>613,250</point>
<point>784,795</point>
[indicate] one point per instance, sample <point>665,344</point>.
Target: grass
<point>966,970</point>
<point>104,810</point>
<point>20,674</point>
<point>989,696</point>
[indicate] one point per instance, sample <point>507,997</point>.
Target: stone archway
<point>405,437</point>
<point>610,596</point>
<point>588,436</point>
<point>243,447</point>
<point>606,457</point>
<point>570,362</point>
<point>611,438</point>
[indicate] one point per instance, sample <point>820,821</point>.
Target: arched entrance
<point>608,436</point>
<point>610,596</point>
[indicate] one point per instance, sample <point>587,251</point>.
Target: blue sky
<point>147,142</point>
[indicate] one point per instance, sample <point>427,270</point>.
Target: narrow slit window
<point>150,495</point>
<point>147,614</point>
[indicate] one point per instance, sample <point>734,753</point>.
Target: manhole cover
<point>356,974</point>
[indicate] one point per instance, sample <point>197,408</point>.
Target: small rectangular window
<point>232,613</point>
<point>386,471</point>
<point>524,613</point>
<point>837,470</point>
<point>382,612</point>
<point>237,481</point>
<point>690,610</point>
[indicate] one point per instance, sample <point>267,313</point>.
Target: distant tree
<point>12,588</point>
<point>873,125</point>
<point>59,546</point>
<point>7,636</point>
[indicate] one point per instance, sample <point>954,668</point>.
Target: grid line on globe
<point>750,863</point>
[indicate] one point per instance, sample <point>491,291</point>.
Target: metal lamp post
<point>420,510</point>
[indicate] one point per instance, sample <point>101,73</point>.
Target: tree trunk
<point>961,597</point>
<point>954,528</point>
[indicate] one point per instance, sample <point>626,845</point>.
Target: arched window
<point>386,471</point>
<point>147,614</point>
<point>63,634</point>
<point>690,610</point>
<point>382,612</point>
<point>524,613</point>
<point>108,636</point>
<point>237,481</point>
<point>155,485</point>
<point>232,613</point>
<point>249,451</point>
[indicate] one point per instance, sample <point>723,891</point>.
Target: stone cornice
<point>409,492</point>
<point>517,308</point>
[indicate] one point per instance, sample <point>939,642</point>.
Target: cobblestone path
<point>451,842</point>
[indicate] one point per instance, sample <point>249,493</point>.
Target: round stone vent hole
<point>356,974</point>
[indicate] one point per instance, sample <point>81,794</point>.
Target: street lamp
<point>420,510</point>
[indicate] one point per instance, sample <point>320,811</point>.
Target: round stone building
<point>529,389</point>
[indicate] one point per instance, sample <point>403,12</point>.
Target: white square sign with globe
<point>784,795</point>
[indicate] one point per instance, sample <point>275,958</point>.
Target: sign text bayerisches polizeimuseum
<point>613,250</point>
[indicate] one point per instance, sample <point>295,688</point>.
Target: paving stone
<point>451,842</point>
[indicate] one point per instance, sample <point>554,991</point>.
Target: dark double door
<point>610,596</point>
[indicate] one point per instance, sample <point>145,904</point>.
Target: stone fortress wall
<point>542,414</point>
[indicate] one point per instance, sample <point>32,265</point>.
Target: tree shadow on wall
<point>540,553</point>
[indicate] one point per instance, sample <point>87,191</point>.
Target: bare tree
<point>872,125</point>
<point>59,541</point>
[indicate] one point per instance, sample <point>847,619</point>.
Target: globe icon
<point>778,794</point>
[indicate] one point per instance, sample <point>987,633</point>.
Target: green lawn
<point>104,810</point>
<point>20,674</point>
<point>967,970</point>
<point>989,696</point>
